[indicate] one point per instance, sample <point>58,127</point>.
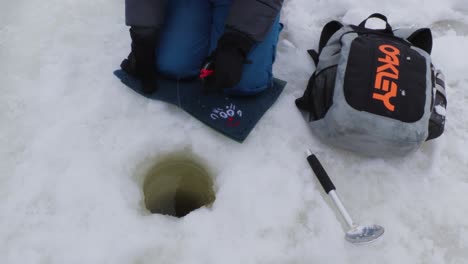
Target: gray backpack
<point>375,92</point>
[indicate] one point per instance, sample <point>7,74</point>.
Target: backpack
<point>375,92</point>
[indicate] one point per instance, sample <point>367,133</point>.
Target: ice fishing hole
<point>178,184</point>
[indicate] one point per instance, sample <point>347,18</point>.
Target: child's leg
<point>256,76</point>
<point>185,38</point>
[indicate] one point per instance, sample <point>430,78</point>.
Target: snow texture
<point>75,144</point>
<point>440,110</point>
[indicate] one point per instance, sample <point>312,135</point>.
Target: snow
<point>440,109</point>
<point>75,144</point>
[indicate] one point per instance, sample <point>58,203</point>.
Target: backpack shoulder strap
<point>421,38</point>
<point>306,102</point>
<point>327,32</point>
<point>314,55</point>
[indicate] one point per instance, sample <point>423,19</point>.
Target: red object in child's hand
<point>205,73</point>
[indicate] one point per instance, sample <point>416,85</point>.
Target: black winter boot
<point>141,62</point>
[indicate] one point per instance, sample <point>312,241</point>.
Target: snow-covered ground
<point>74,144</point>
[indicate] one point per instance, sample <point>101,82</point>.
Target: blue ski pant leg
<point>190,33</point>
<point>257,76</point>
<point>185,35</point>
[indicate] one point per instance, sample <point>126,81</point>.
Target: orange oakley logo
<point>387,74</point>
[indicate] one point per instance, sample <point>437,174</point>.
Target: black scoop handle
<point>321,174</point>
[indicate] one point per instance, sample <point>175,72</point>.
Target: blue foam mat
<point>235,117</point>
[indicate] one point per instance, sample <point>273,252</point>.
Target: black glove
<point>227,61</point>
<point>141,62</point>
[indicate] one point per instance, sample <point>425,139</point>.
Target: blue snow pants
<point>190,33</point>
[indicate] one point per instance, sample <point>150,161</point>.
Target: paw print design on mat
<point>229,114</point>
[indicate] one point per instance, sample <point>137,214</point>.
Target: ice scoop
<point>357,234</point>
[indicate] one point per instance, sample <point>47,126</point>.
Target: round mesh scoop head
<point>362,234</point>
